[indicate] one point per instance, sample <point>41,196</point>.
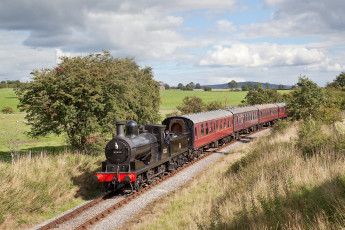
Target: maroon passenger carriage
<point>206,129</point>
<point>245,120</point>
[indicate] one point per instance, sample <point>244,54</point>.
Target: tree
<point>191,104</point>
<point>245,87</point>
<point>305,100</point>
<point>267,85</point>
<point>214,105</point>
<point>207,88</point>
<point>180,86</point>
<point>338,82</point>
<point>166,86</point>
<point>262,96</point>
<point>197,86</point>
<point>87,95</point>
<point>281,87</point>
<point>258,85</point>
<point>190,86</point>
<point>233,84</point>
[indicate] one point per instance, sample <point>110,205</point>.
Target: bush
<point>207,88</point>
<point>7,109</point>
<point>280,127</point>
<point>311,139</point>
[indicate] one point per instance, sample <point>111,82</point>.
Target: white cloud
<point>295,18</point>
<point>17,60</point>
<point>225,26</point>
<point>262,55</point>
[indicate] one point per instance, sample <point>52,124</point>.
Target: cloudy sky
<point>205,41</point>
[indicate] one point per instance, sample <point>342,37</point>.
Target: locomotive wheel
<point>161,170</point>
<point>150,174</point>
<point>138,184</point>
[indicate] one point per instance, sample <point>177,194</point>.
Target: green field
<point>8,98</point>
<point>12,126</point>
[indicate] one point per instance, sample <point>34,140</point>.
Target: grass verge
<point>35,189</point>
<point>275,186</point>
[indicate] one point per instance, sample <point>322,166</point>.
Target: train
<point>143,154</point>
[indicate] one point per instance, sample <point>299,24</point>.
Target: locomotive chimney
<point>120,128</point>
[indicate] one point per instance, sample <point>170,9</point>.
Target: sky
<point>200,41</point>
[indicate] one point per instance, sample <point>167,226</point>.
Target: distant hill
<point>225,85</point>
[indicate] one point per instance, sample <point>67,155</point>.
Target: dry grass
<point>34,189</point>
<point>273,187</point>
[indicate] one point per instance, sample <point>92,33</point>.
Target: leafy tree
<point>245,87</point>
<point>267,85</point>
<point>258,85</point>
<point>167,86</point>
<point>190,86</point>
<point>214,105</point>
<point>306,99</point>
<point>197,86</point>
<point>207,88</point>
<point>338,82</point>
<point>191,104</point>
<point>249,86</point>
<point>233,84</point>
<point>87,95</point>
<point>180,86</point>
<point>281,87</point>
<point>262,96</point>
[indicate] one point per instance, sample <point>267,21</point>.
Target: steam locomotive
<point>141,155</point>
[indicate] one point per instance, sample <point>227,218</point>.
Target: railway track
<point>121,203</point>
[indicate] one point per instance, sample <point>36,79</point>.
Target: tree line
<point>232,85</point>
<point>10,84</point>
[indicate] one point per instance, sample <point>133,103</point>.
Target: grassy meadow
<point>276,185</point>
<point>8,98</point>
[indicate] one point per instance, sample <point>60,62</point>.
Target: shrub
<point>311,139</point>
<point>280,127</point>
<point>7,109</point>
<point>207,88</point>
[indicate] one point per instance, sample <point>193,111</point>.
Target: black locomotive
<point>141,156</point>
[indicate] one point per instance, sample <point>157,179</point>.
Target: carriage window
<point>211,127</point>
<point>202,130</point>
<point>206,128</point>
<point>196,133</point>
<point>216,125</point>
<point>224,123</point>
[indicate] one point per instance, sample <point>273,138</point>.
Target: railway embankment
<point>292,179</point>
